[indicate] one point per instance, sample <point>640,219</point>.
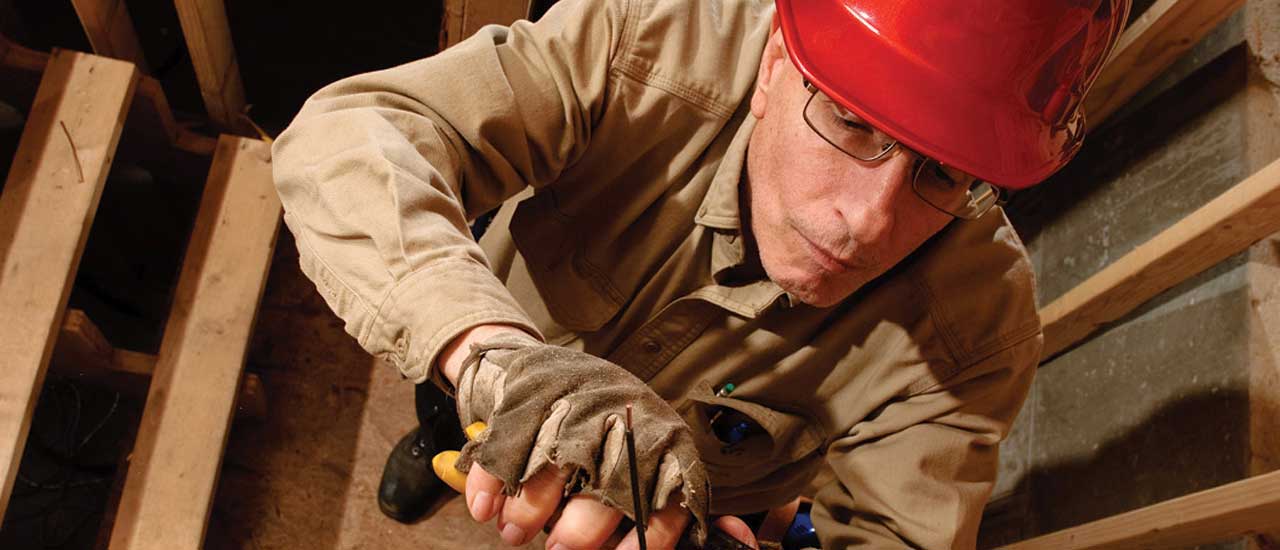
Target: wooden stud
<point>83,352</point>
<point>462,18</point>
<point>204,24</point>
<point>176,458</point>
<point>1222,513</point>
<point>1151,44</point>
<point>151,111</point>
<point>110,30</point>
<point>48,205</point>
<point>1243,215</point>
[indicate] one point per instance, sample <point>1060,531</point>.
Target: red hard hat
<point>991,87</point>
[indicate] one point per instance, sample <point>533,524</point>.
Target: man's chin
<point>816,294</point>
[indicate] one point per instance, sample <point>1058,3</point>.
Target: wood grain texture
<point>1222,513</point>
<point>1149,46</point>
<point>150,113</point>
<point>48,205</point>
<point>83,352</point>
<point>204,24</point>
<point>110,30</point>
<point>462,18</point>
<point>1227,225</point>
<point>176,459</point>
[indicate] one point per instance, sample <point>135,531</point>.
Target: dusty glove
<point>548,405</point>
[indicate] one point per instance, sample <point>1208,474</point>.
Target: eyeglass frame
<point>921,162</point>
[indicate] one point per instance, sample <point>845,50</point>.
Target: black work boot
<point>409,486</point>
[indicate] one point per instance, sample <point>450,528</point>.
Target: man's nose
<point>872,210</point>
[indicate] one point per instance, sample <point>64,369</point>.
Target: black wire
<point>60,519</point>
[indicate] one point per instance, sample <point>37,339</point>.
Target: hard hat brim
<point>998,129</point>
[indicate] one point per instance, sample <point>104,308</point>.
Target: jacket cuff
<point>430,308</point>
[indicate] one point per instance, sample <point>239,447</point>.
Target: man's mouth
<point>829,261</point>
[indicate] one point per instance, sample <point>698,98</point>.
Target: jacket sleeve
<point>918,474</point>
<point>379,174</point>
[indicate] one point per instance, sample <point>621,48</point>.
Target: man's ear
<point>772,62</point>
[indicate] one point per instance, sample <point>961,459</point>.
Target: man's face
<point>825,223</point>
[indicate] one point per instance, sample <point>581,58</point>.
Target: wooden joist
<point>48,205</point>
<point>204,24</point>
<point>151,109</point>
<point>174,468</point>
<point>1222,513</point>
<point>83,352</point>
<point>1149,46</point>
<point>1245,214</point>
<point>110,30</point>
<point>462,18</point>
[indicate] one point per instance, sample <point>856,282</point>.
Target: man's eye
<point>849,121</point>
<point>854,125</point>
<point>942,176</point>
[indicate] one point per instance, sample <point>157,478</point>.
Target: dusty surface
<point>306,476</point>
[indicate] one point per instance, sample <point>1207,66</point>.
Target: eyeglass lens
<point>944,188</point>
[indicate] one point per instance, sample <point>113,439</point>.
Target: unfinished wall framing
<point>46,210</point>
<point>1152,417</point>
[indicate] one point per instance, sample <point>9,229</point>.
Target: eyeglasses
<point>941,186</point>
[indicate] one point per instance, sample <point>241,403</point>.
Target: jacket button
<point>651,346</point>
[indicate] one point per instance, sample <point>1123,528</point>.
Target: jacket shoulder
<point>706,52</point>
<point>979,284</point>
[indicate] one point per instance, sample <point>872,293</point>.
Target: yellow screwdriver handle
<point>443,462</point>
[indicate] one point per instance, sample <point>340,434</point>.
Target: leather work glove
<point>548,405</point>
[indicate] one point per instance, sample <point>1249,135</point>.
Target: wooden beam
<point>47,208</point>
<point>151,111</point>
<point>83,352</point>
<point>204,24</point>
<point>1222,513</point>
<point>110,30</point>
<point>1151,44</point>
<point>1243,215</point>
<point>462,18</point>
<point>178,452</point>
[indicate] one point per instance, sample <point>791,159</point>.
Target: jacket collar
<point>720,211</point>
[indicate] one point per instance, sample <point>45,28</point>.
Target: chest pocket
<point>781,438</point>
<point>578,296</point>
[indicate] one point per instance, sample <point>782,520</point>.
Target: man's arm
<point>918,474</point>
<point>379,174</point>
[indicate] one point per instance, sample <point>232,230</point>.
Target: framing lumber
<point>110,30</point>
<point>1151,44</point>
<point>1245,214</point>
<point>48,205</point>
<point>170,485</point>
<point>1222,513</point>
<point>83,352</point>
<point>462,18</point>
<point>204,24</point>
<point>151,109</point>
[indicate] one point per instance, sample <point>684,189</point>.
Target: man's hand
<point>555,428</point>
<point>584,523</point>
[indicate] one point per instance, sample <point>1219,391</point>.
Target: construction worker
<point>800,200</point>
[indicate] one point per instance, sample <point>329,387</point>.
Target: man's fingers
<point>738,529</point>
<point>524,515</point>
<point>484,494</point>
<point>585,523</point>
<point>665,528</point>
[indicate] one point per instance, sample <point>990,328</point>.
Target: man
<point>791,201</point>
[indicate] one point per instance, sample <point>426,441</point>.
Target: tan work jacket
<point>628,120</point>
